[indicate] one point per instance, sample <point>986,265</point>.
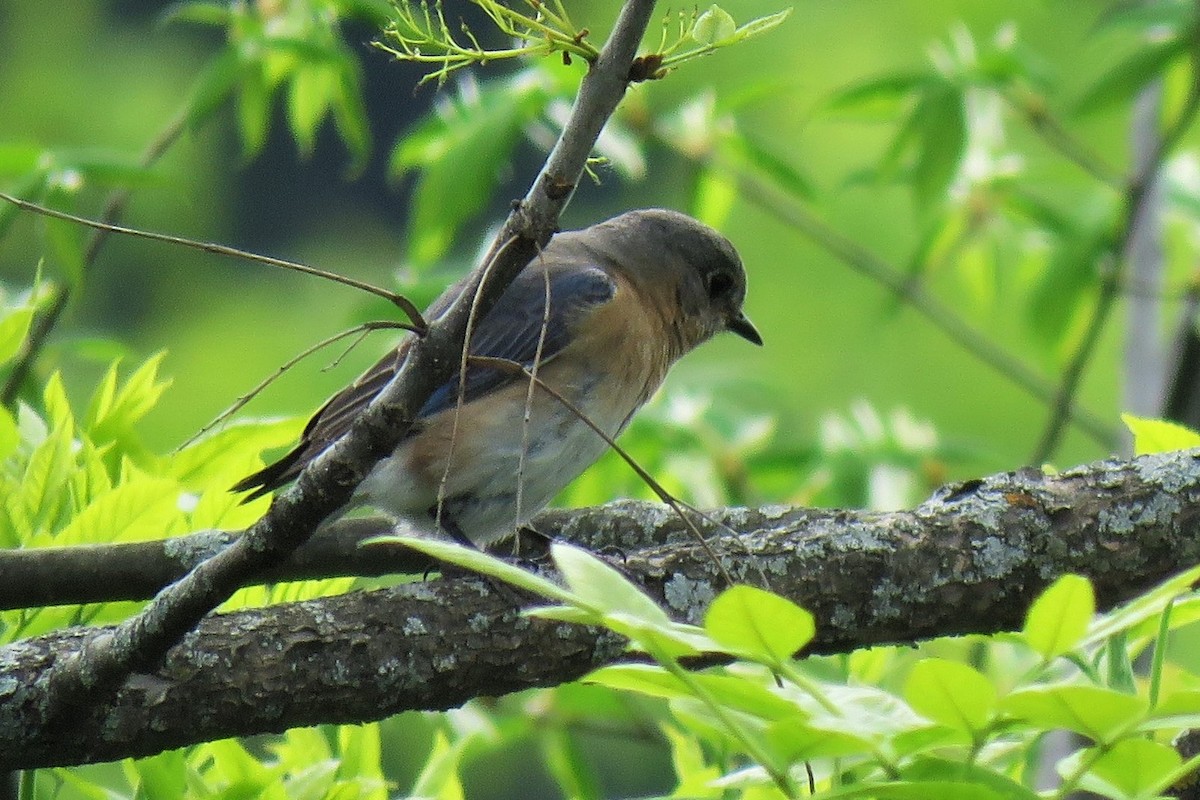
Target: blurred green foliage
<point>977,152</point>
<point>779,105</point>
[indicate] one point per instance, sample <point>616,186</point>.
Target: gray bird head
<point>692,272</point>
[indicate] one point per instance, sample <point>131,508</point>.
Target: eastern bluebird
<point>627,297</point>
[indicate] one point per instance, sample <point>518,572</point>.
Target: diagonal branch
<point>327,484</point>
<point>969,560</point>
<point>1138,193</point>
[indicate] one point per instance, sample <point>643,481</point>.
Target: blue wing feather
<point>513,328</point>
<point>511,331</point>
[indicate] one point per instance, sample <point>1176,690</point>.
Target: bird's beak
<point>745,329</point>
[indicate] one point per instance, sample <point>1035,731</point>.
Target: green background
<point>107,76</point>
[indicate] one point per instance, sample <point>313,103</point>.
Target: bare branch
<point>105,573</point>
<point>398,300</point>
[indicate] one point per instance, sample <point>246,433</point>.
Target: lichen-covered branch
<point>969,560</point>
<point>105,573</point>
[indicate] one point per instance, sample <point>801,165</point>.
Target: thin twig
<point>527,417</point>
<point>1110,287</point>
<point>1034,109</point>
<point>400,301</point>
<point>241,401</point>
<point>472,320</point>
<point>45,323</point>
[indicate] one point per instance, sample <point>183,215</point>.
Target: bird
<point>599,316</point>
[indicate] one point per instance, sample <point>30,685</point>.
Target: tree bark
<point>968,560</point>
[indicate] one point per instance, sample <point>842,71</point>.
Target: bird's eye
<point>719,285</point>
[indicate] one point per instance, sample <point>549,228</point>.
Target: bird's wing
<point>512,331</point>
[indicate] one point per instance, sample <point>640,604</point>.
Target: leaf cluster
<point>956,725</point>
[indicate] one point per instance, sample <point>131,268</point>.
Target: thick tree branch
<point>970,559</point>
<point>105,573</point>
<point>326,485</point>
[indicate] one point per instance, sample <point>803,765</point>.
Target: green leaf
<point>14,325</point>
<point>569,765</point>
<point>915,790</point>
<point>795,739</point>
<point>214,85</point>
<point>599,586</point>
<point>199,12</point>
<point>606,597</point>
<point>758,625</point>
<point>742,150</point>
<point>459,153</point>
<point>713,26</point>
<point>881,98</point>
<point>310,92</point>
<point>1132,769</point>
<point>572,614</point>
<point>314,781</point>
<point>77,783</point>
<point>951,693</point>
<point>1120,675</point>
<point>1119,85</point>
<point>112,412</point>
<point>735,692</point>
<point>230,763</point>
<point>1179,709</point>
<point>1143,608</point>
<point>58,408</point>
<point>163,775</point>
<point>692,770</point>
<point>254,111</point>
<point>138,509</point>
<point>65,239</point>
<point>439,776</point>
<point>226,455</point>
<point>1059,618</point>
<point>713,197</point>
<point>1173,15</point>
<point>361,750</point>
<point>928,768</point>
<point>864,711</point>
<point>480,562</point>
<point>1159,435</point>
<point>1098,713</point>
<point>756,27</point>
<point>110,168</point>
<point>50,465</point>
<point>941,142</point>
<point>10,437</point>
<point>350,117</point>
